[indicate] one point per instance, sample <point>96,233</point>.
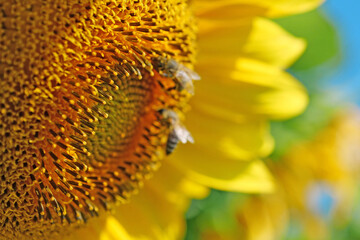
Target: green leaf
<point>320,34</point>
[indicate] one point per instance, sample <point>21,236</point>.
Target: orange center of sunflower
<point>82,87</point>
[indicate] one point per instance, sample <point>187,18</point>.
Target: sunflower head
<point>83,89</point>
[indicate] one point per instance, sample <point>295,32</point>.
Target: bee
<point>173,69</point>
<point>178,132</point>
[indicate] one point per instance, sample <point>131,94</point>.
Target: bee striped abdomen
<point>172,142</point>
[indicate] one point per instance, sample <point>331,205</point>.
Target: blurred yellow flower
<point>317,184</point>
<point>319,177</point>
<point>89,80</point>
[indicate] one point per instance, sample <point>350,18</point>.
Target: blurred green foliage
<point>351,230</point>
<point>215,212</point>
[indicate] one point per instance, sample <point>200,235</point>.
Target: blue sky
<point>345,15</point>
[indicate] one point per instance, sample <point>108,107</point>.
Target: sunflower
<point>317,185</point>
<point>93,95</point>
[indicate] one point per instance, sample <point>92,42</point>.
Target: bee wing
<point>170,114</point>
<point>186,76</point>
<point>189,87</point>
<point>183,134</point>
<point>191,74</point>
<point>185,81</point>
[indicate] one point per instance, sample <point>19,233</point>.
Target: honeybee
<point>173,69</point>
<point>178,132</point>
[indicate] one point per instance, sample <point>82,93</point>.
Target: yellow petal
<point>150,215</point>
<point>233,10</point>
<point>221,172</point>
<point>104,227</point>
<point>279,8</point>
<point>269,43</point>
<point>175,186</point>
<point>240,9</point>
<point>259,39</point>
<point>224,138</point>
<point>278,94</point>
<point>254,88</point>
<point>112,230</point>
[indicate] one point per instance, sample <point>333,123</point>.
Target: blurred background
<point>316,160</point>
